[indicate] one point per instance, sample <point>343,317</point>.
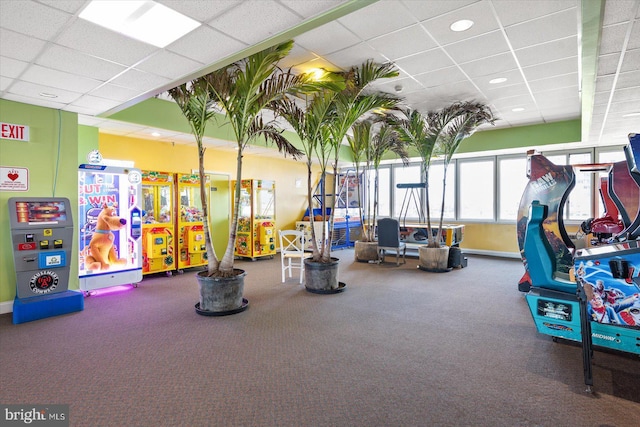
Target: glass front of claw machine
<point>256,219</point>
<point>192,250</point>
<point>158,227</point>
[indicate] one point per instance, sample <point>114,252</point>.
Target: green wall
<point>51,156</point>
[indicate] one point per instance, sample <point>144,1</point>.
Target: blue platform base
<point>40,307</point>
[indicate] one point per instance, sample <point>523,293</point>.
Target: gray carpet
<point>399,347</point>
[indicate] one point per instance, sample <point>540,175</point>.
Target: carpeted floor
<point>399,347</point>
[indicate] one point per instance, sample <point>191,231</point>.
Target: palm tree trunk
<point>226,265</point>
<point>314,240</point>
<point>372,232</point>
<point>212,259</point>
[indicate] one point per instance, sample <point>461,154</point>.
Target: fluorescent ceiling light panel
<point>142,20</point>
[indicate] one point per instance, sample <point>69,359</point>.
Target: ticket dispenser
<point>42,237</point>
<point>110,226</point>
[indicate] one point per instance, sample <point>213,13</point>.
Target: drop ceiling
<point>562,59</point>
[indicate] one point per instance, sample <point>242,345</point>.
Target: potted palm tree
<point>440,133</point>
<point>240,92</point>
<point>322,124</point>
<point>370,142</point>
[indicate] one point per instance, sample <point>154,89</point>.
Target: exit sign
<point>15,132</point>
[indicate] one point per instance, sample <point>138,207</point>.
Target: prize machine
<point>255,235</point>
<point>191,246</point>
<point>110,224</point>
<point>42,237</point>
<point>599,304</point>
<point>158,225</point>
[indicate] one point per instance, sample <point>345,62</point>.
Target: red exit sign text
<point>16,132</point>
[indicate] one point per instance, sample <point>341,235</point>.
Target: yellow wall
<point>490,237</point>
<point>291,201</point>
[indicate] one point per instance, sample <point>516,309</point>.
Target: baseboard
<point>6,307</point>
<point>497,254</point>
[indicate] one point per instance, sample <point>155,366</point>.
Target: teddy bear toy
<point>101,254</point>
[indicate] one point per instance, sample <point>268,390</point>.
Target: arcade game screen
<point>39,212</point>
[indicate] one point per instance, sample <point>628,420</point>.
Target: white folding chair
<point>291,251</point>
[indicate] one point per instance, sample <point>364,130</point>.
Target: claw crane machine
<point>191,246</point>
<point>158,226</point>
<point>256,219</point>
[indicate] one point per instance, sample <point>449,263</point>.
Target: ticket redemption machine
<point>256,219</point>
<point>158,224</point>
<point>191,245</point>
<point>42,237</point>
<point>118,189</point>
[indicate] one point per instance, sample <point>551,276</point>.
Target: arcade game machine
<point>256,236</point>
<point>602,305</point>
<point>550,185</point>
<point>42,236</point>
<point>191,246</point>
<point>158,227</point>
<point>110,224</point>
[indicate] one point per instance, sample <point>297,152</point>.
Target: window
<point>384,191</point>
<point>436,171</point>
<point>579,204</point>
<point>607,157</point>
<point>406,203</point>
<point>476,189</point>
<point>512,179</point>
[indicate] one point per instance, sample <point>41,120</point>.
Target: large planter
<point>220,296</point>
<point>366,251</point>
<point>434,259</point>
<point>322,278</point>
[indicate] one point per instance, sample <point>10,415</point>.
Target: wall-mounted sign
<point>14,179</point>
<point>15,132</point>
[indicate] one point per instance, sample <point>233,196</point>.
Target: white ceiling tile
<point>628,94</point>
<point>389,85</point>
<point>94,102</point>
<point>520,101</point>
<point>439,77</point>
<point>19,46</point>
<point>549,69</point>
<point>488,44</point>
<point>631,60</point>
<point>567,96</point>
<point>308,9</point>
<point>167,64</point>
<point>32,19</point>
<point>328,38</point>
<point>140,80</point>
<point>218,45</point>
<point>424,62</point>
<point>480,13</point>
<point>612,38</point>
<point>34,101</point>
<point>404,42</point>
<point>59,79</point>
<point>10,67</point>
<point>513,77</point>
<point>628,79</point>
<point>513,11</point>
<point>608,64</point>
<point>5,82</point>
<point>355,55</point>
<point>72,61</point>
<point>560,81</point>
<point>491,65</point>
<point>33,90</point>
<point>625,107</point>
<point>498,91</point>
<point>297,55</point>
<point>541,30</point>
<point>70,6</point>
<point>255,20</point>
<point>201,10</point>
<point>601,98</point>
<point>546,52</point>
<point>103,43</point>
<point>430,9</point>
<point>115,92</point>
<point>458,91</point>
<point>377,19</point>
<point>619,11</point>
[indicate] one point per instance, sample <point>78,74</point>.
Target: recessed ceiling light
<point>631,115</point>
<point>517,110</point>
<point>48,95</point>
<point>156,134</point>
<point>498,80</point>
<point>144,20</point>
<point>461,25</point>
